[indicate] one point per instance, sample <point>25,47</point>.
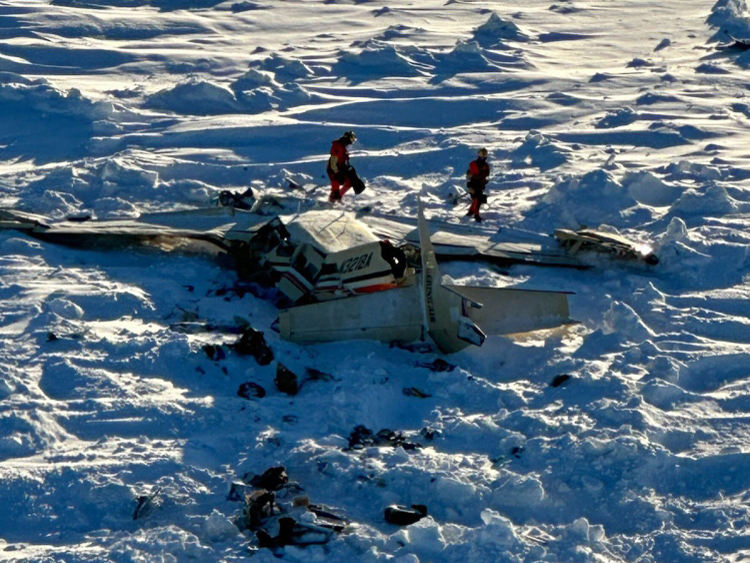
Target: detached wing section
<point>217,225</point>
<point>460,242</point>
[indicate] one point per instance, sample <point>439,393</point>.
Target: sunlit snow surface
<point>630,114</point>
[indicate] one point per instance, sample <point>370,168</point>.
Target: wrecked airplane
<point>454,317</point>
<point>343,277</point>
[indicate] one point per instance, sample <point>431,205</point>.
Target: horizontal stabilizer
<point>508,311</point>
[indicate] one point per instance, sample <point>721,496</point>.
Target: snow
<point>625,116</point>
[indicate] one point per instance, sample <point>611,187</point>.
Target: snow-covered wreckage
<point>343,277</point>
<point>604,242</point>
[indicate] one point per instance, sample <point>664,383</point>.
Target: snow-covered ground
<point>631,115</point>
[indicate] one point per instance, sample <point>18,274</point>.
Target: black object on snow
<point>214,353</point>
<point>251,390</point>
<point>559,380</point>
<point>360,437</point>
<point>404,515</point>
<point>415,392</point>
<point>272,479</point>
<point>252,343</point>
<point>317,375</point>
<point>395,439</point>
<point>243,200</point>
<point>144,503</point>
<point>286,380</point>
<point>264,516</point>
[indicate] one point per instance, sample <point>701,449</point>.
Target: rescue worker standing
<point>339,170</point>
<point>476,180</point>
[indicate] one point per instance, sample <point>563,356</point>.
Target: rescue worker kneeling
<point>342,174</point>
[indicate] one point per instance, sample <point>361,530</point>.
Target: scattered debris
<point>439,366</point>
<point>414,392</point>
<point>317,375</point>
<point>215,353</point>
<point>258,507</point>
<point>403,515</point>
<point>144,503</point>
<point>362,437</point>
<point>251,390</point>
<point>253,343</point>
<point>560,379</point>
<point>244,200</point>
<point>286,380</point>
<point>292,532</point>
<point>237,491</point>
<point>52,337</point>
<point>278,523</point>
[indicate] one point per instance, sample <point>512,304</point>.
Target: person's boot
<point>335,195</point>
<point>477,218</point>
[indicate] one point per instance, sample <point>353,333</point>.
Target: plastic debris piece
<point>559,380</point>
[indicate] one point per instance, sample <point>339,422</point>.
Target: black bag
<point>358,185</point>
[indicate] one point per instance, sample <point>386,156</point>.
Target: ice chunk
<point>624,321</point>
<point>194,97</point>
<point>647,188</point>
<point>496,29</point>
<point>218,528</point>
